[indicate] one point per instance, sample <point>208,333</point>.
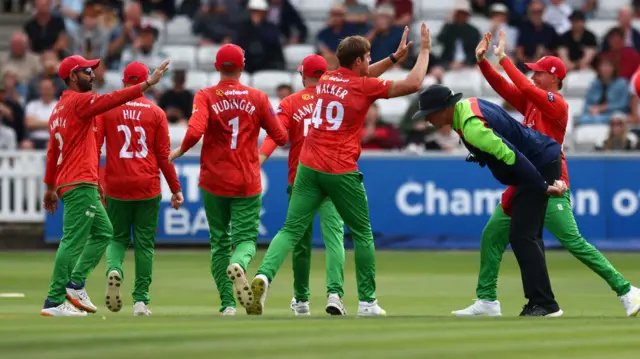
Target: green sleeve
<point>483,138</point>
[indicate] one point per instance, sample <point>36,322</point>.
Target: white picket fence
<point>21,186</point>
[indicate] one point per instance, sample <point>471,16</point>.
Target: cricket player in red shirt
<point>295,113</point>
<point>138,146</point>
<point>72,175</point>
<point>546,111</point>
<point>230,116</point>
<point>328,161</point>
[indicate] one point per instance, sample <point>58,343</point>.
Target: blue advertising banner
<point>424,202</point>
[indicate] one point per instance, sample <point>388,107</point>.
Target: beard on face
<point>85,84</point>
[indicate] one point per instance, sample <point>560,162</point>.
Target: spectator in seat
<point>357,13</point>
<point>619,137</point>
<point>459,38</point>
<point>216,22</point>
<point>50,63</point>
<point>556,14</point>
<point>21,58</point>
<point>163,9</point>
<point>261,40</point>
<point>535,37</point>
<point>626,59</point>
<point>287,18</point>
<point>384,36</point>
<point>14,88</point>
<point>70,11</point>
<point>630,35</point>
<point>404,10</point>
<point>124,35</point>
<point>444,139</point>
<point>377,134</point>
<point>336,30</point>
<point>8,139</point>
<point>143,49</point>
<point>45,30</point>
<point>37,113</point>
<point>607,94</point>
<point>284,90</point>
<point>577,47</point>
<point>499,22</point>
<point>177,102</point>
<point>90,39</point>
<point>12,115</point>
<point>587,7</point>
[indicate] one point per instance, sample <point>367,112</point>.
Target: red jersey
<point>138,147</point>
<point>544,111</point>
<point>343,99</point>
<point>72,157</point>
<point>295,113</point>
<point>634,84</point>
<point>230,116</point>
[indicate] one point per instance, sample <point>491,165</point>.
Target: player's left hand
<point>50,201</point>
<point>402,52</point>
<point>177,153</point>
<point>498,50</point>
<point>177,200</point>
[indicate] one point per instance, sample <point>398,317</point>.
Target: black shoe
<point>534,310</point>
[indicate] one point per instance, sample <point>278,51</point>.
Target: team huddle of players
<point>323,124</point>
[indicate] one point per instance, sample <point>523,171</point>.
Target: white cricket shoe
<point>228,312</point>
<point>112,298</point>
<point>301,309</point>
<point>335,305</point>
<point>480,307</point>
<point>65,309</point>
<point>259,287</point>
<point>631,302</point>
<point>240,285</point>
<point>80,299</point>
<point>370,309</point>
<point>140,309</point>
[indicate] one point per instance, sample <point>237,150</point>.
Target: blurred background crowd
<point>597,40</point>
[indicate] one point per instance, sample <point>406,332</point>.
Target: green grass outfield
<point>417,289</point>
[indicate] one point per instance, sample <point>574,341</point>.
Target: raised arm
<point>400,55</point>
<point>477,134</point>
<point>504,88</point>
<point>413,82</point>
<point>269,145</point>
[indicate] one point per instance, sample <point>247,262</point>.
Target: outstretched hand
<point>402,52</point>
<point>498,50</point>
<point>483,46</point>
<point>157,74</point>
<point>425,38</point>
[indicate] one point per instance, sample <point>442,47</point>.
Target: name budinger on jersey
<point>233,104</point>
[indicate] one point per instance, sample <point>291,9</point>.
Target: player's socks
<point>112,298</point>
<point>241,287</point>
<point>65,309</point>
<point>140,309</point>
<point>259,287</point>
<point>335,305</point>
<point>631,302</point>
<point>300,308</point>
<point>370,309</point>
<point>77,295</point>
<point>228,312</point>
<point>480,307</point>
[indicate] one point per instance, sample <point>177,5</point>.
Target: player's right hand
<point>157,74</point>
<point>402,52</point>
<point>50,201</point>
<point>557,189</point>
<point>483,46</point>
<point>177,153</point>
<point>177,200</point>
<point>425,38</point>
<point>499,49</point>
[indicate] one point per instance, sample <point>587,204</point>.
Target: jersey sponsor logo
<point>306,97</point>
<point>231,93</point>
<point>550,96</point>
<point>138,104</point>
<point>334,79</point>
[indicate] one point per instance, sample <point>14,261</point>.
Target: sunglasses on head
<point>86,70</point>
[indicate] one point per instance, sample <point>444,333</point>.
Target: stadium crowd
<point>601,54</point>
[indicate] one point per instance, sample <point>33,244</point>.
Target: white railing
<point>21,186</point>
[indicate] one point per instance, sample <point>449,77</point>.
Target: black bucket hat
<point>435,98</point>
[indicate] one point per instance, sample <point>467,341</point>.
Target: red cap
<point>313,66</point>
<point>230,57</point>
<point>135,73</point>
<point>550,64</point>
<point>75,62</point>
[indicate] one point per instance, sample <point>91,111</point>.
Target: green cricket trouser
<point>560,222</point>
<point>347,193</point>
<point>86,232</point>
<point>332,228</point>
<point>224,215</point>
<point>141,218</point>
